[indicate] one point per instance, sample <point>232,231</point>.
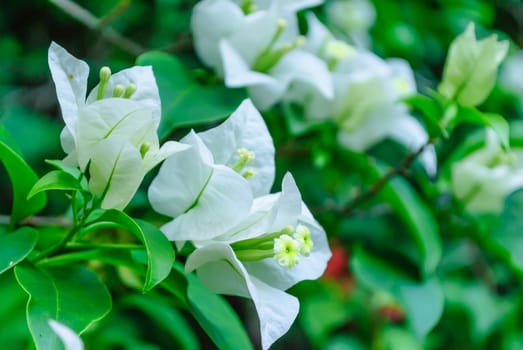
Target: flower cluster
<point>215,185</point>
<point>328,78</point>
<point>248,242</point>
<point>112,131</point>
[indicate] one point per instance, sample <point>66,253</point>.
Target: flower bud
<point>118,91</point>
<point>471,67</point>
<point>129,90</point>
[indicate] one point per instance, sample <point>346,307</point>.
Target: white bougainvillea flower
<point>113,130</point>
<point>471,67</point>
<point>367,96</point>
<point>260,259</point>
<point>70,340</point>
<point>214,182</point>
<point>484,178</point>
<point>244,129</point>
<point>204,198</point>
<point>266,63</point>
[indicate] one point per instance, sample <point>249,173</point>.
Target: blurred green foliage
<point>386,287</point>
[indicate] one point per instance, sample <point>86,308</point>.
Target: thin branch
<point>378,185</point>
<point>92,22</point>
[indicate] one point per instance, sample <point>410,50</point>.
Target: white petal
<point>317,34</point>
<point>169,148</point>
<point>220,270</point>
<point>117,168</point>
<point>302,66</point>
<point>146,93</point>
<point>409,132</point>
<point>269,213</point>
<point>254,36</point>
<point>237,70</point>
<point>211,21</point>
<point>222,203</point>
<point>70,77</point>
<point>181,179</point>
<point>114,117</point>
<point>374,126</point>
<point>244,128</point>
<point>70,339</point>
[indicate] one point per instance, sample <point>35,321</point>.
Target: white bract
<point>113,129</point>
<point>70,340</point>
<point>368,90</point>
<point>276,246</point>
<point>209,187</point>
<point>471,67</point>
<point>257,45</point>
<point>352,18</point>
<point>248,242</point>
<point>483,179</point>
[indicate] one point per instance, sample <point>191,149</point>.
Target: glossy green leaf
<point>55,180</point>
<point>430,112</point>
<point>168,319</point>
<point>418,218</point>
<point>182,96</point>
<point>216,317</point>
<point>422,301</point>
<point>72,295</point>
<point>16,246</point>
<point>22,179</point>
<point>494,121</point>
<point>160,253</point>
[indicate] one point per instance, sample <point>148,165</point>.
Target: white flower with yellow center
<point>264,255</point>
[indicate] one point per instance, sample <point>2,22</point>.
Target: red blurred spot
<point>337,267</point>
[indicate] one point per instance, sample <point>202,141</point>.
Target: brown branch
<point>378,185</point>
<point>92,22</point>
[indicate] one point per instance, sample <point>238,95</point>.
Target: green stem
<point>56,246</point>
<point>78,245</point>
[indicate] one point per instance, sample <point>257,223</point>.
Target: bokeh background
<point>344,310</point>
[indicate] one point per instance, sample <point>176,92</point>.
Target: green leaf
<point>160,253</point>
<point>72,295</point>
<point>422,301</point>
<point>216,317</point>
<point>168,319</point>
<point>430,112</point>
<point>22,179</point>
<point>15,246</point>
<point>507,233</point>
<point>55,180</point>
<point>494,121</point>
<point>185,101</point>
<point>419,219</point>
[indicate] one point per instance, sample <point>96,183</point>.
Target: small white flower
<point>286,251</point>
